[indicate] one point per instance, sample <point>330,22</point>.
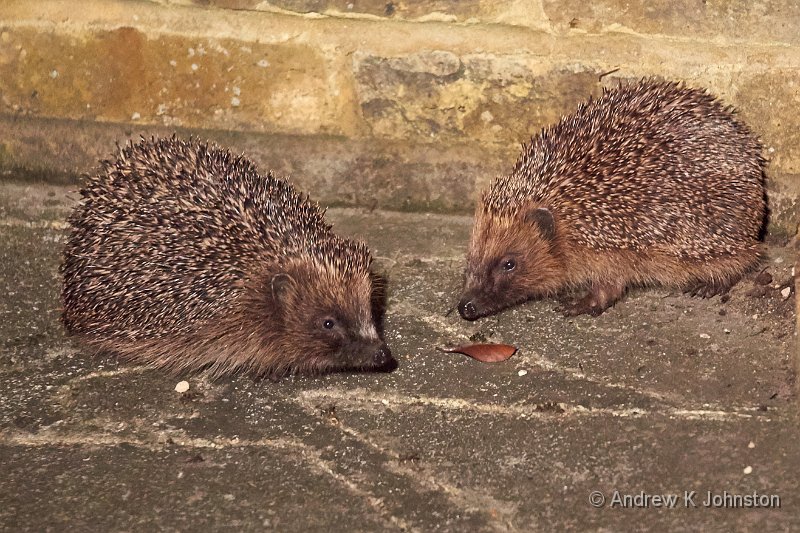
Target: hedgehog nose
<point>383,360</point>
<point>467,310</point>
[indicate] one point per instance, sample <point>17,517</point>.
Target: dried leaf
<point>486,353</point>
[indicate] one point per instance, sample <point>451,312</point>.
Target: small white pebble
<point>136,116</point>
<point>180,475</point>
<point>778,260</point>
<point>173,63</point>
<point>235,102</point>
<point>726,330</point>
<point>182,386</point>
<point>786,292</point>
<point>263,63</point>
<point>229,497</point>
<point>751,445</point>
<point>705,336</point>
<point>54,74</point>
<point>522,372</point>
<point>194,66</point>
<point>792,271</point>
<point>385,402</point>
<point>747,469</point>
<point>237,91</point>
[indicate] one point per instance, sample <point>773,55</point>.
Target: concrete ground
<point>662,395</point>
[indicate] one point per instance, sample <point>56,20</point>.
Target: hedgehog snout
<point>383,360</point>
<point>467,309</point>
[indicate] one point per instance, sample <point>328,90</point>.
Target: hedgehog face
<point>328,322</point>
<point>510,260</point>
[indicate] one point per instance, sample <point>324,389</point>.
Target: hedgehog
<point>651,184</point>
<point>182,256</point>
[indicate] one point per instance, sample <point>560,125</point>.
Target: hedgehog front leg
<point>601,296</point>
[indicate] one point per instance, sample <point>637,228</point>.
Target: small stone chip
<point>522,372</point>
<point>705,336</point>
<point>747,469</point>
<point>182,386</point>
<point>751,445</point>
<point>786,292</point>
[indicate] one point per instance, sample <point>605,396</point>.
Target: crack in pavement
<point>310,456</point>
<point>464,500</point>
<point>360,397</point>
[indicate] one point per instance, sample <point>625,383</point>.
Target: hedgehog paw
<point>707,289</point>
<point>600,297</point>
<point>584,306</point>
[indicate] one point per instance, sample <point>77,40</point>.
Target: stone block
<point>122,75</point>
<point>436,95</point>
<point>335,171</point>
<point>775,21</point>
<point>518,12</point>
<point>770,103</point>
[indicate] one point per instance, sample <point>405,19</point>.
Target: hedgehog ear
<point>281,284</point>
<point>543,218</point>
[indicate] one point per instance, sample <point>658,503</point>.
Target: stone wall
<point>400,105</point>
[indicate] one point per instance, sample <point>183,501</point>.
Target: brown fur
<point>673,199</point>
<point>184,258</point>
<point>258,335</point>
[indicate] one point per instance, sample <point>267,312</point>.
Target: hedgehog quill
<point>184,257</point>
<point>651,184</point>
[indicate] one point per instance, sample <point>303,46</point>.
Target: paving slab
<point>663,395</point>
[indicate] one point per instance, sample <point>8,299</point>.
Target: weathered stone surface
<point>661,394</point>
<point>438,96</point>
<point>371,172</point>
<point>769,102</point>
<point>407,113</point>
<point>769,21</point>
<point>514,12</point>
<point>122,75</point>
<point>334,170</point>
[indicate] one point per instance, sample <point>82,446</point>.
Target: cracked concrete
<point>662,394</point>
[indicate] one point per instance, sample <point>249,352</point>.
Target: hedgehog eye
<point>328,323</point>
<point>508,265</point>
